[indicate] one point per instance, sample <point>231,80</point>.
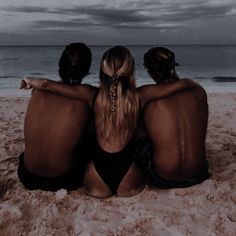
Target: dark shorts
<point>71,180</point>
<point>159,182</point>
<point>143,158</point>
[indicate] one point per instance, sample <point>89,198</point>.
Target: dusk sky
<point>102,22</point>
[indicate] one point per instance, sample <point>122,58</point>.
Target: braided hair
<point>117,103</point>
<point>113,93</point>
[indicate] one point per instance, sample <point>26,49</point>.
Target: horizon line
<point>109,45</point>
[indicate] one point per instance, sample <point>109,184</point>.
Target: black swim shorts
<point>159,182</point>
<point>71,180</point>
<point>143,157</point>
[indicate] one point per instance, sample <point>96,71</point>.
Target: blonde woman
<point>116,107</point>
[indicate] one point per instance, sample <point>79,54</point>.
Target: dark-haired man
<point>176,126</point>
<point>54,127</point>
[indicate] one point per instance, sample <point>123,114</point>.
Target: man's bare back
<point>177,127</point>
<point>54,126</point>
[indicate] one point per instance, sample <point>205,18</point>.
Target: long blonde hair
<point>117,104</point>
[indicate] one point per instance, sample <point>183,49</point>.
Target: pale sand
<point>205,209</point>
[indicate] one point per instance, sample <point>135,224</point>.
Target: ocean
<point>211,66</point>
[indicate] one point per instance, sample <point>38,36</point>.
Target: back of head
<point>75,63</point>
<point>117,100</point>
<point>160,64</point>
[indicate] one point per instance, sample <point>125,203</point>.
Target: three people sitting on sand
<point>113,138</point>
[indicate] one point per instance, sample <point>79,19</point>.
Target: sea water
<point>211,66</point>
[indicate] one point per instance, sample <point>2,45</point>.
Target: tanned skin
<point>134,179</point>
<point>177,127</point>
<point>54,126</point>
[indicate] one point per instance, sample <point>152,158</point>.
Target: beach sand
<point>205,209</point>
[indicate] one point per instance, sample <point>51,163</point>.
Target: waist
<point>177,168</point>
<point>47,167</point>
<point>128,148</point>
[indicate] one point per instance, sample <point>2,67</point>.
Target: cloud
<point>205,11</point>
<point>133,20</point>
<point>75,24</point>
<point>131,14</point>
<point>67,24</point>
<point>26,9</point>
<point>111,18</point>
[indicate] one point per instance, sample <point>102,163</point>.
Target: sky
<point>108,22</point>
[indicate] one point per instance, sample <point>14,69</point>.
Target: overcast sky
<point>118,22</point>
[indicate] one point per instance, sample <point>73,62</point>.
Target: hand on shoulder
<point>33,82</point>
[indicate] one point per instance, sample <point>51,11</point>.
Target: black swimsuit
<point>112,167</point>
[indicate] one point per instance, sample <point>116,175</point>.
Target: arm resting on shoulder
<point>150,92</point>
<point>82,92</point>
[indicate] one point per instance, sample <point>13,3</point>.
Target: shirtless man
<point>54,126</point>
<point>176,126</point>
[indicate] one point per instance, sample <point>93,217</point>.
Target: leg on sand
<point>94,185</point>
<point>132,183</point>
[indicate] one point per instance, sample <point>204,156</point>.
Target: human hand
<point>26,84</point>
<point>33,82</point>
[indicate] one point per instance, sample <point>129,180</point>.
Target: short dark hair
<point>160,63</point>
<point>75,63</point>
